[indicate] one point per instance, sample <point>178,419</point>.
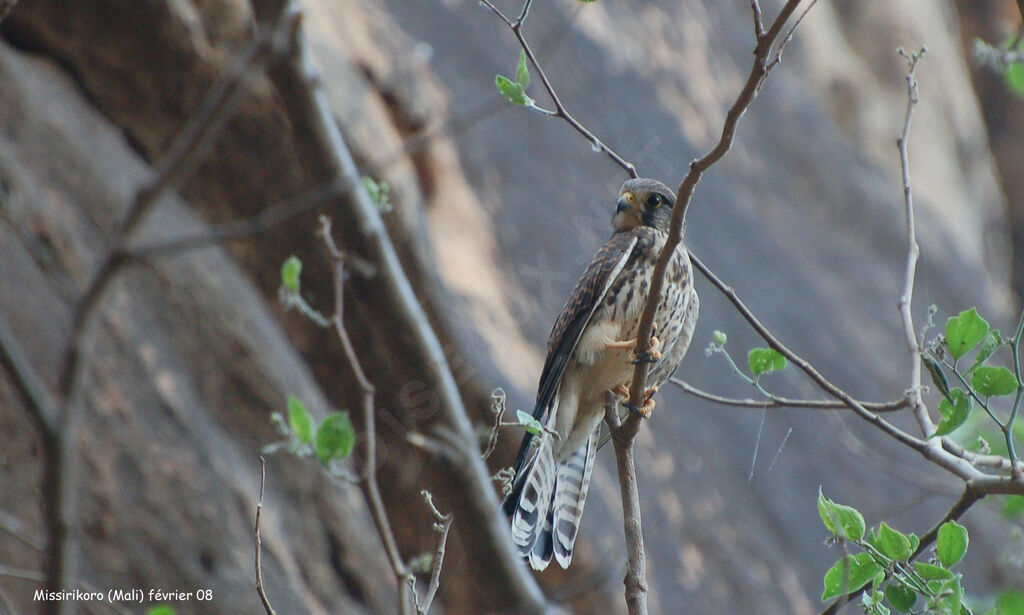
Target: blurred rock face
<point>497,210</point>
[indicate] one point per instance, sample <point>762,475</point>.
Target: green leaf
<point>522,71</point>
<point>1010,603</point>
<point>988,346</point>
<point>951,543</point>
<point>964,332</point>
<point>953,414</point>
<point>893,544</point>
<point>901,597</point>
<point>872,602</point>
<point>379,192</point>
<point>843,521</point>
<point>422,563</point>
<point>372,187</point>
<point>915,542</point>
<point>290,270</point>
<point>529,423</point>
<point>993,381</point>
<point>1014,76</point>
<point>513,92</point>
<point>850,573</point>
<point>162,609</point>
<point>335,437</point>
<point>931,572</point>
<point>718,338</point>
<point>1014,506</point>
<point>951,595</point>
<point>763,360</point>
<point>938,376</point>
<point>299,420</point>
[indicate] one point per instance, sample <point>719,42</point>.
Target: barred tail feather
<point>531,518</point>
<point>571,483</point>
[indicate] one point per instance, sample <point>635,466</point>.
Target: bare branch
<point>994,462</point>
<point>755,8</point>
<point>956,465</point>
<point>913,252</point>
<point>58,493</point>
<point>1015,409</point>
<point>443,525</point>
<point>623,435</point>
<point>326,154</point>
<point>259,543</point>
<point>22,573</point>
<point>789,36</point>
<point>776,401</point>
<point>498,409</point>
<point>238,230</point>
<point>15,528</point>
<point>758,73</point>
<point>560,110</point>
<point>377,511</point>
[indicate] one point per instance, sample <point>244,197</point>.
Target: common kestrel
<point>591,350</point>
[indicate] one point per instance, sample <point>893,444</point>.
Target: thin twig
<point>15,528</point>
<point>377,511</point>
<point>755,8</point>
<point>263,222</point>
<point>22,573</point>
<point>44,413</point>
<point>560,110</point>
<point>498,400</point>
<point>259,543</point>
<point>995,462</point>
<point>776,401</point>
<point>954,464</point>
<point>1015,409</point>
<point>917,405</point>
<point>623,434</point>
<point>789,37</point>
<point>443,523</point>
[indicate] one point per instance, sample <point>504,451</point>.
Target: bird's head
<point>644,202</point>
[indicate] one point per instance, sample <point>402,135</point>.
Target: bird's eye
<point>654,200</point>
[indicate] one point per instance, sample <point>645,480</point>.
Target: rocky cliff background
<point>496,210</point>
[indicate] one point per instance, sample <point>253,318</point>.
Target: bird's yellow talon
<point>646,409</point>
<point>623,345</point>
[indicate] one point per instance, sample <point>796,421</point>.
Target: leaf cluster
<point>979,382</point>
<point>885,570</point>
<point>331,439</point>
<point>514,91</point>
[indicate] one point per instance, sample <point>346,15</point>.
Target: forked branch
<point>516,25</point>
